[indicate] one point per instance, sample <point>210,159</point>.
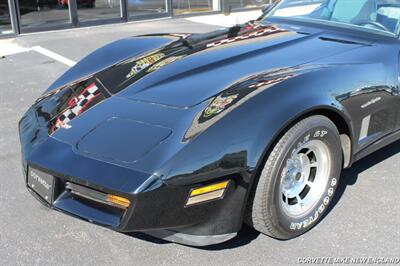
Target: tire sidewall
<point>327,133</point>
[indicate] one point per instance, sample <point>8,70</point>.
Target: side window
<point>389,16</point>
<point>346,11</point>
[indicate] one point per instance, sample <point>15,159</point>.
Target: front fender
<point>234,146</point>
<point>237,142</point>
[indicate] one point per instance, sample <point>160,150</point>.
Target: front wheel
<point>298,179</point>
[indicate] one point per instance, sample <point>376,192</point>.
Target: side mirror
<point>266,8</point>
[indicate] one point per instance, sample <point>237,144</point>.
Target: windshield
<point>377,15</point>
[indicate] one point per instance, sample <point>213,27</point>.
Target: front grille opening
<point>94,198</point>
<point>103,207</point>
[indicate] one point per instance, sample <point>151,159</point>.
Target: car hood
<point>186,72</point>
<point>100,106</point>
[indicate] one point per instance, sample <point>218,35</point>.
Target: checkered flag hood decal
<point>249,35</point>
<point>76,106</point>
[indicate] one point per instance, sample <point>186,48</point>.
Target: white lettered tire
<point>298,180</point>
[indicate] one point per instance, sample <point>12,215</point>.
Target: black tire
<point>270,216</point>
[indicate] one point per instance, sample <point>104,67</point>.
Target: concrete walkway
<point>227,21</point>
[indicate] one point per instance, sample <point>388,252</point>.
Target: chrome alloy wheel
<point>304,178</point>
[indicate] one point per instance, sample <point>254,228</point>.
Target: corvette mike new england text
<point>349,260</point>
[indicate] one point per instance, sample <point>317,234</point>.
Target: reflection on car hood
<point>197,67</point>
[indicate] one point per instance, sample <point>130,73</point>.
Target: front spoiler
<point>190,240</point>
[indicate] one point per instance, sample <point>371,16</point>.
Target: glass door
<point>147,8</point>
<point>194,6</point>
<point>5,18</point>
<point>94,10</point>
<point>239,4</point>
<point>43,14</point>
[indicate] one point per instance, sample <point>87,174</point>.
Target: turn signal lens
<point>207,193</point>
<point>209,188</point>
<point>118,200</point>
<point>97,196</point>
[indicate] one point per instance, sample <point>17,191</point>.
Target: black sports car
<point>185,137</point>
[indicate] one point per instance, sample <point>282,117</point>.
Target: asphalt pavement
<point>364,221</point>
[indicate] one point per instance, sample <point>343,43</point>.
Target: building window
<point>89,10</point>
<point>238,4</point>
<point>5,19</point>
<point>43,13</point>
<point>39,15</point>
<point>146,7</point>
<point>194,6</point>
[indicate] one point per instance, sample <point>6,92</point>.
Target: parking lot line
<point>54,56</point>
<point>8,47</point>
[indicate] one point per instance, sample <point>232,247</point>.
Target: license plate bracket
<point>41,183</point>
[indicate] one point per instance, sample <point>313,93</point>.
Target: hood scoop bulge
<point>116,140</point>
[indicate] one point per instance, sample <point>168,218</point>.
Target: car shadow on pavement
<point>148,238</point>
<point>244,236</point>
<point>348,178</point>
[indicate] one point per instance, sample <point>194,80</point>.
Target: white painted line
<point>11,48</point>
<point>54,56</point>
<point>8,47</point>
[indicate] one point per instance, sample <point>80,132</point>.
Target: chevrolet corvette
<point>186,137</point>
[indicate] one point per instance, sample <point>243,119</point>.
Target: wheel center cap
<point>296,170</point>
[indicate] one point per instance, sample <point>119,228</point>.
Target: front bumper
<point>156,208</point>
<point>168,219</point>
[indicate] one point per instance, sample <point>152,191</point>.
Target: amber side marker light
<point>207,193</point>
<point>118,200</point>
